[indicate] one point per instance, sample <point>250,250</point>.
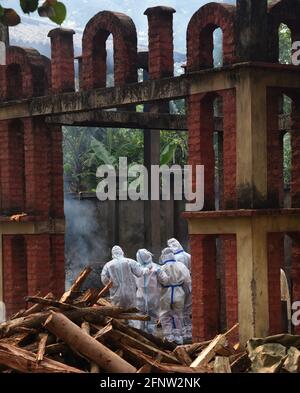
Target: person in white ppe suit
<point>185,258</point>
<point>121,272</point>
<point>148,292</point>
<point>174,278</point>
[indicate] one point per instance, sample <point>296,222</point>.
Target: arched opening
<point>100,58</point>
<point>14,82</point>
<point>285,119</point>
<point>218,149</point>
<point>218,47</point>
<point>110,66</point>
<point>285,44</point>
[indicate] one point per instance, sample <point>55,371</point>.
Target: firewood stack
<point>84,333</point>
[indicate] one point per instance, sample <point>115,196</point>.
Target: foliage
<point>285,44</point>
<point>52,9</point>
<point>85,149</point>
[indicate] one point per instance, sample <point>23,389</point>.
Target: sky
<point>33,30</point>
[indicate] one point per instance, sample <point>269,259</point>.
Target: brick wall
<point>201,152</point>
<point>15,281</point>
<point>31,179</point>
<point>204,291</point>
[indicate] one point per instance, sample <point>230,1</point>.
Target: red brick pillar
<point>58,264</point>
<point>62,60</point>
<point>229,149</point>
<point>205,294</point>
<point>57,181</point>
<point>295,191</point>
<point>12,166</point>
<point>160,22</point>
<point>229,247</point>
<point>37,167</point>
<point>38,263</point>
<point>201,148</point>
<point>229,257</point>
<point>62,64</point>
<point>14,273</point>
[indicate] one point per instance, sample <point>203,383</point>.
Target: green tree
<point>52,9</point>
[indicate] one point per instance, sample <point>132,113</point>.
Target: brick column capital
<point>161,48</point>
<point>62,60</point>
<point>60,32</point>
<point>159,10</point>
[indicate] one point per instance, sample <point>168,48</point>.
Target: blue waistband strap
<point>178,252</point>
<point>173,322</point>
<point>169,260</point>
<point>172,291</point>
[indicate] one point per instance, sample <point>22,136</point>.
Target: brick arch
<point>200,35</point>
<point>31,72</point>
<point>94,51</point>
<point>287,12</point>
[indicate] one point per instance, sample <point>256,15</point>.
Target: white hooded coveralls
<point>121,272</point>
<point>174,278</point>
<point>185,258</point>
<point>148,292</point>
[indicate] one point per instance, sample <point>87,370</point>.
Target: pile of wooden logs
<point>84,333</point>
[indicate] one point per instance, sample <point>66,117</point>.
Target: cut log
<point>57,348</point>
<point>103,302</point>
<point>146,369</point>
<point>210,351</point>
<point>133,317</point>
<point>104,291</point>
<point>94,368</point>
<point>103,331</point>
<point>90,314</point>
<point>222,365</point>
<point>183,356</point>
<point>143,336</point>
<point>50,303</point>
<point>86,345</point>
<point>119,336</point>
<point>43,337</point>
<point>137,334</point>
<point>241,364</point>
<point>88,298</point>
<point>21,360</point>
<point>76,285</point>
<point>37,307</point>
<point>193,349</point>
<point>160,367</point>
